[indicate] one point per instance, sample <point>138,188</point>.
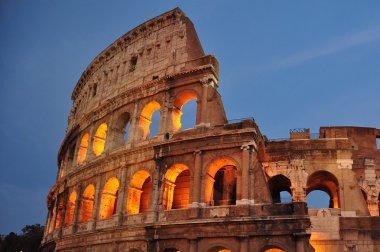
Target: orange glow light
<point>100,139</point>
<point>82,152</point>
<point>87,204</point>
<point>181,100</point>
<point>135,191</point>
<point>70,209</point>
<point>109,198</point>
<point>146,117</point>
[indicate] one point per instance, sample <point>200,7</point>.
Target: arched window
<point>147,118</point>
<point>139,192</point>
<point>273,249</point>
<point>219,249</point>
<point>279,187</point>
<point>87,204</point>
<point>70,208</point>
<point>324,184</point>
<point>109,198</point>
<point>176,187</point>
<point>59,212</point>
<point>82,152</point>
<point>172,250</point>
<point>221,183</point>
<point>121,129</point>
<point>184,113</point>
<point>100,139</point>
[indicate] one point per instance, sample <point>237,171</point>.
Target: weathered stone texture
<point>215,187</point>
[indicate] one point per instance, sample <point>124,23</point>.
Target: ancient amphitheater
<point>214,187</point>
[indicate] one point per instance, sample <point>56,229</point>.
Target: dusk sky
<point>288,64</point>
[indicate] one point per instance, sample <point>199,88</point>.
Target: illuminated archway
<point>100,139</point>
<point>139,192</point>
<point>60,206</point>
<point>171,250</point>
<point>219,249</point>
<point>87,204</point>
<point>277,185</point>
<point>109,198</point>
<point>146,117</point>
<point>221,182</point>
<point>70,208</point>
<point>176,187</point>
<point>83,146</point>
<point>177,112</point>
<point>272,249</point>
<point>326,182</point>
<point>121,129</point>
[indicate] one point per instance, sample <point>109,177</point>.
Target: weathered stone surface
<point>215,187</point>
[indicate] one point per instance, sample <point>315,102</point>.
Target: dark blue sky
<point>289,64</point>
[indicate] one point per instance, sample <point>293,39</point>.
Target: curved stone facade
<point>215,187</point>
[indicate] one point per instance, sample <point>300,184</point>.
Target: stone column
<point>204,115</point>
<point>120,205</point>
<point>193,245</point>
<point>244,244</point>
<point>77,208</point>
<point>244,176</point>
<point>196,188</point>
<point>56,203</point>
<point>98,195</point>
<point>63,213</point>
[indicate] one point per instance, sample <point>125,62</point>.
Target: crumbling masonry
<point>214,187</point>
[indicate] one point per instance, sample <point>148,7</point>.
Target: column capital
<point>245,147</point>
<point>197,152</point>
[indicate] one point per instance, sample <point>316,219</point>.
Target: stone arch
<point>326,182</point>
<point>220,247</point>
<point>171,250</point>
<point>70,208</point>
<point>109,198</point>
<point>221,182</point>
<point>59,210</point>
<point>87,203</point>
<point>176,189</point>
<point>100,139</point>
<point>83,146</point>
<point>120,128</point>
<point>180,100</point>
<point>272,248</point>
<point>278,184</point>
<point>139,192</point>
<point>146,117</point>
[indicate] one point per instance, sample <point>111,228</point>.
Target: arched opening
<point>279,187</point>
<point>221,183</point>
<point>70,208</point>
<point>274,249</point>
<point>184,113</point>
<point>139,192</point>
<point>219,249</point>
<point>176,187</point>
<point>100,139</point>
<point>59,212</point>
<point>324,183</point>
<point>318,199</point>
<point>87,204</point>
<point>121,129</point>
<point>147,118</point>
<point>109,198</point>
<point>83,146</point>
<point>51,220</point>
<point>172,250</point>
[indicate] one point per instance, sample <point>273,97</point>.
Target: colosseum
<point>215,187</point>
